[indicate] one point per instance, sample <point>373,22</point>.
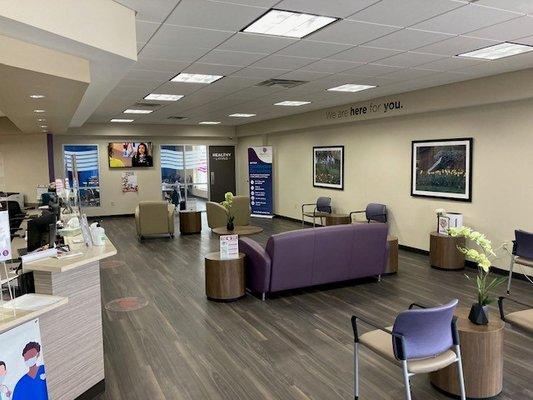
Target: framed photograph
<point>328,167</point>
<point>442,169</point>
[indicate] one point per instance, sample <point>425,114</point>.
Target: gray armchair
<point>374,212</point>
<point>322,208</point>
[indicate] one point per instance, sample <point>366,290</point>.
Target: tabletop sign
<point>229,247</point>
<point>5,237</point>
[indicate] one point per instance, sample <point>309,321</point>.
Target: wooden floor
<point>297,346</point>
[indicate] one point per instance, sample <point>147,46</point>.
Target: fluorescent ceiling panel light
<point>196,78</point>
<point>121,120</point>
<point>242,115</point>
<point>38,111</point>
<point>209,122</point>
<point>292,103</point>
<point>288,24</point>
<point>41,119</point>
<point>137,111</point>
<point>498,51</point>
<point>350,87</point>
<point>37,96</point>
<point>163,97</point>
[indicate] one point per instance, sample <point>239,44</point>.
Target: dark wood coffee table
<point>242,230</point>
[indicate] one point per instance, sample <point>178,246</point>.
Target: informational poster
<point>229,247</point>
<point>260,178</point>
<point>5,237</point>
<point>129,182</point>
<point>22,370</point>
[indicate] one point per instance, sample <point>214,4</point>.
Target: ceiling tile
<point>451,63</point>
<point>527,40</point>
<point>351,32</point>
<point>226,57</point>
<point>410,59</point>
<point>155,64</point>
<point>285,62</point>
<point>466,19</point>
<point>330,66</point>
<point>456,45</point>
<point>255,3</point>
<point>404,13</point>
<point>410,73</point>
<point>179,88</point>
<point>364,54</point>
<point>214,15</point>
<point>179,52</point>
<point>506,31</point>
<point>256,43</point>
<point>521,6</point>
<point>310,48</point>
<point>264,73</point>
<point>210,69</point>
<point>301,75</point>
<point>148,75</point>
<point>169,35</point>
<point>371,70</point>
<point>145,30</point>
<point>408,39</point>
<point>330,8</point>
<point>152,11</point>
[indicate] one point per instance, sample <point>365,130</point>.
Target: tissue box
<point>450,220</point>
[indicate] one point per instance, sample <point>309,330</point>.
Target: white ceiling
<point>399,45</point>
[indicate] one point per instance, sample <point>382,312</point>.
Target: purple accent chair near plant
<point>522,253</point>
<point>420,341</point>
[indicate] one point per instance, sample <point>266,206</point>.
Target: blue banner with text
<point>260,179</point>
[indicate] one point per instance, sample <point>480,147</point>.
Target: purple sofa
<point>311,257</point>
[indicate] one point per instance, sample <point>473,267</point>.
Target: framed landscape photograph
<point>328,167</point>
<point>442,169</point>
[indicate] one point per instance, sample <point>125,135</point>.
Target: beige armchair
<point>154,218</point>
<point>217,215</point>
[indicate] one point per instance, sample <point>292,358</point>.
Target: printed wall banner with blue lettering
<point>260,178</point>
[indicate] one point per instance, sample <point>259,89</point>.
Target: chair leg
<point>406,380</point>
<point>303,221</point>
<point>460,375</point>
<point>263,296</point>
<point>356,370</point>
<point>314,222</point>
<point>510,275</point>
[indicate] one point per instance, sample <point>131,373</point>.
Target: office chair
<point>374,212</point>
<point>322,209</point>
<point>523,319</point>
<point>16,215</point>
<point>420,341</point>
<point>522,253</point>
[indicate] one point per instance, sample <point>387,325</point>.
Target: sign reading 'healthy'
<point>384,107</point>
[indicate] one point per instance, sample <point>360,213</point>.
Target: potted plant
<point>479,311</point>
<point>228,204</point>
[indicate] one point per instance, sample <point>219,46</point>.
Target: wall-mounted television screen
<point>130,154</point>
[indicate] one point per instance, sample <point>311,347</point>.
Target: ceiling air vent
<point>284,83</point>
<point>177,117</point>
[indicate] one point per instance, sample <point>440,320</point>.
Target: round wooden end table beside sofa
<point>443,252</point>
<point>482,353</point>
<point>337,219</point>
<point>190,222</point>
<point>224,278</point>
<point>392,256</point>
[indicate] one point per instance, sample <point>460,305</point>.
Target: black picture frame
<point>466,195</point>
<point>325,185</point>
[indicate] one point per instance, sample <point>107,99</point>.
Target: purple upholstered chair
<point>322,209</point>
<point>420,341</point>
<point>374,212</point>
<point>522,253</point>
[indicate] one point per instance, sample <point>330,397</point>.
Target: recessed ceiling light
<point>38,111</point>
<point>196,78</point>
<point>292,103</point>
<point>498,51</point>
<point>137,111</point>
<point>209,122</point>
<point>242,115</point>
<point>163,97</point>
<point>121,120</point>
<point>37,96</point>
<point>44,126</point>
<point>350,87</point>
<point>288,23</point>
<point>41,119</point>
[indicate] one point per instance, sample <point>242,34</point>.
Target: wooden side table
<point>190,222</point>
<point>241,230</point>
<point>337,219</point>
<point>482,352</point>
<point>392,256</point>
<point>224,279</point>
<point>443,253</point>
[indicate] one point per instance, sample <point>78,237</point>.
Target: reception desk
<point>72,334</point>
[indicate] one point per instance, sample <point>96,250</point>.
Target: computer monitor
<point>41,231</point>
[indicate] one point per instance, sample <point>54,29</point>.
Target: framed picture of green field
<point>442,169</point>
<point>328,167</point>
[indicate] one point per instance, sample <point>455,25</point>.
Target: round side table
<point>482,352</point>
<point>241,230</point>
<point>443,253</point>
<point>190,222</point>
<point>337,219</point>
<point>392,256</point>
<point>224,279</point>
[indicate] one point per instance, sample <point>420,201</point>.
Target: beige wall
<point>24,161</point>
<point>377,169</point>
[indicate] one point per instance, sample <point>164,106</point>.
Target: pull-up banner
<point>260,178</point>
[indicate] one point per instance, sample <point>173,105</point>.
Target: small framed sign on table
<point>229,247</point>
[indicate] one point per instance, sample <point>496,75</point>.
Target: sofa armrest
<point>171,209</point>
<point>137,221</point>
<point>258,265</point>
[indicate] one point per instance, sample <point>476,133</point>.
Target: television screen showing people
<point>130,154</point>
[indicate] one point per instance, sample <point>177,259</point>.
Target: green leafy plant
<point>228,204</point>
<point>481,257</point>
